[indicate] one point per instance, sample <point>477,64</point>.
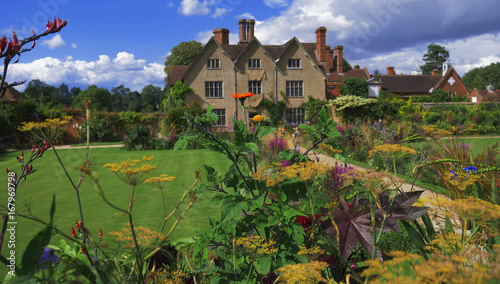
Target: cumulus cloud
<point>73,45</point>
<point>206,7</point>
<point>53,43</point>
<point>276,3</point>
<point>104,72</point>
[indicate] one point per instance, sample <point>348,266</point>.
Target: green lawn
<point>36,192</point>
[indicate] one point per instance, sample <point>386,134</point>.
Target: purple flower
<point>286,163</point>
<point>48,255</point>
<point>340,129</point>
<point>471,168</point>
<point>454,175</point>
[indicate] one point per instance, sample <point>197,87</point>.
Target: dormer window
<point>213,64</point>
<point>294,64</point>
<point>254,63</point>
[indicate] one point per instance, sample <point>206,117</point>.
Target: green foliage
<point>351,107</point>
<point>104,127</point>
<point>13,114</point>
<point>354,87</point>
<point>439,95</point>
<point>101,98</point>
<point>481,77</point>
<point>183,54</point>
<point>313,108</point>
<point>175,117</point>
<point>274,111</point>
<point>434,58</point>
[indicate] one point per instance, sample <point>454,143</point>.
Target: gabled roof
<point>335,77</point>
<point>13,95</point>
<point>309,51</point>
<point>411,84</point>
<point>254,41</point>
<point>487,96</point>
<point>175,73</point>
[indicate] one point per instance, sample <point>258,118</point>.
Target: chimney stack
<point>222,35</point>
<point>242,23</point>
<point>390,70</point>
<point>339,53</point>
<point>250,29</point>
<point>321,44</point>
<point>435,72</point>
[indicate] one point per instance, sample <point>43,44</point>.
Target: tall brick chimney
<point>339,52</point>
<point>222,35</point>
<point>242,23</point>
<point>321,43</point>
<point>250,29</point>
<point>390,70</point>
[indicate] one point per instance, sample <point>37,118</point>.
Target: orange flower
<point>258,118</point>
<point>242,96</point>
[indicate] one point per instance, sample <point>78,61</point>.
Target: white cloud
<point>55,42</point>
<point>69,58</point>
<point>73,45</point>
<point>206,7</point>
<point>104,72</point>
<point>195,7</point>
<point>276,3</point>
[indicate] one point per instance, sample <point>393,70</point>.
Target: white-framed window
<point>474,99</point>
<point>255,87</point>
<point>221,114</point>
<point>295,115</point>
<point>213,64</point>
<point>253,63</point>
<point>214,89</point>
<point>294,89</point>
<point>294,64</point>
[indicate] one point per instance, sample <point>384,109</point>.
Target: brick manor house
<point>295,69</point>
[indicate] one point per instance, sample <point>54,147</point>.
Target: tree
<point>434,58</point>
<point>63,95</point>
<point>481,77</point>
<point>183,54</point>
<point>40,92</point>
<point>118,98</point>
<point>101,98</point>
<point>151,98</point>
<point>354,87</point>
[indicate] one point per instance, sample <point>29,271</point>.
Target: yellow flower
<point>257,244</point>
<point>392,148</point>
<point>160,181</point>
<point>258,118</point>
<point>128,171</point>
<point>303,272</point>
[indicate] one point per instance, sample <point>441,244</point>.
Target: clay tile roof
<point>274,50</point>
<point>175,73</point>
<point>13,95</point>
<point>234,50</point>
<point>311,49</point>
<point>407,83</point>
<point>357,73</point>
<point>489,96</point>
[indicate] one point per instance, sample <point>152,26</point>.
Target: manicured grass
<point>478,144</point>
<point>97,144</point>
<point>49,179</point>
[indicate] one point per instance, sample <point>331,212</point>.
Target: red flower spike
<point>7,170</point>
<point>22,156</point>
<point>3,44</point>
<point>33,149</point>
<point>100,234</point>
<point>77,224</point>
<point>83,250</point>
<point>16,42</point>
<point>73,233</point>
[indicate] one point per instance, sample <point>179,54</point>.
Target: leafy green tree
<point>176,96</point>
<point>151,97</point>
<point>63,95</point>
<point>117,98</point>
<point>481,77</point>
<point>183,54</point>
<point>434,58</point>
<point>38,91</point>
<point>132,101</point>
<point>351,107</point>
<point>354,87</point>
<point>101,98</point>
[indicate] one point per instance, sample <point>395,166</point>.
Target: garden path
<point>436,214</point>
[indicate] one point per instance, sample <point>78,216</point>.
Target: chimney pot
<point>250,29</point>
<point>390,70</point>
<point>321,45</point>
<point>222,35</point>
<point>339,53</point>
<point>242,23</point>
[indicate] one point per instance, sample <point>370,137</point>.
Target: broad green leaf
<point>264,131</point>
<point>263,265</point>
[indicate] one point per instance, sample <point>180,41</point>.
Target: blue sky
<point>109,43</point>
